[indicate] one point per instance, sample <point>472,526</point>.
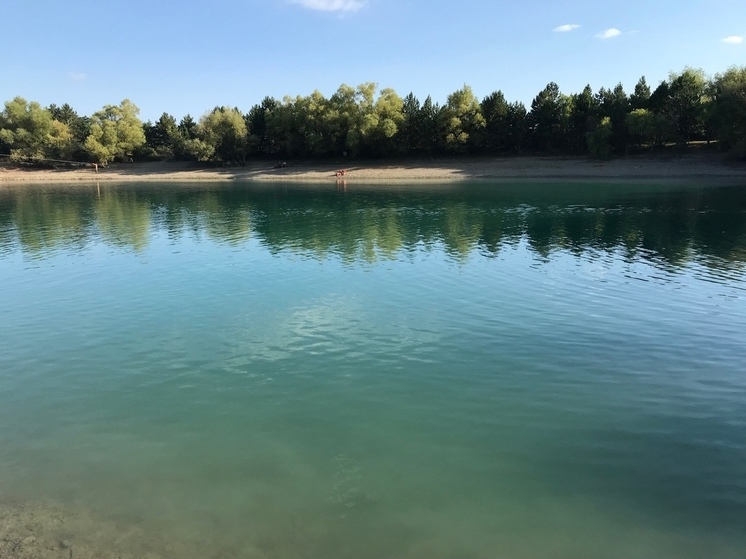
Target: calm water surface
<point>473,371</point>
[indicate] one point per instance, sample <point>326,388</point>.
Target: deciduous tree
<point>30,132</point>
<point>116,131</point>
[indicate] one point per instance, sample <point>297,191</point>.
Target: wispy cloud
<point>332,5</point>
<point>733,40</point>
<point>609,33</point>
<point>565,28</point>
<point>77,76</point>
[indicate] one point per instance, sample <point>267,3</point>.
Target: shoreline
<point>694,166</point>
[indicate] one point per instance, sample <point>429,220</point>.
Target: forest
<point>363,122</point>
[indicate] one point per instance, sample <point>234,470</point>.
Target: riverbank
<point>438,170</point>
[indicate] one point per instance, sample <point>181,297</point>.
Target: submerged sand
<point>438,170</point>
<point>51,531</point>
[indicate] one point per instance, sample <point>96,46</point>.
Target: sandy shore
<point>439,170</point>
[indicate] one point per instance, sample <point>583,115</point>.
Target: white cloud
<point>332,5</point>
<point>77,76</point>
<point>733,40</point>
<point>565,28</point>
<point>609,33</point>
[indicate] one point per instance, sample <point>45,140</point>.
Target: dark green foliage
<point>548,118</point>
<point>495,135</point>
<point>517,120</point>
<point>410,134</point>
<point>583,119</point>
<point>260,141</point>
<point>640,99</point>
<point>163,137</point>
<point>682,102</point>
<point>687,105</point>
<point>430,119</point>
<point>728,110</point>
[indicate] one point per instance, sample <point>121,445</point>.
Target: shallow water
<point>474,370</point>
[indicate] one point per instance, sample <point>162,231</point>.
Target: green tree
<point>116,132</point>
<point>549,111</point>
<point>410,134</point>
<point>687,102</point>
<point>430,128</point>
<point>728,114</point>
<point>223,131</point>
<point>517,120</point>
<point>614,103</point>
<point>364,121</point>
<point>342,119</point>
<point>642,127</point>
<point>389,118</point>
<point>682,101</point>
<point>640,98</point>
<point>583,119</point>
<point>30,132</point>
<point>79,126</point>
<point>165,135</point>
<point>495,111</point>
<point>599,140</point>
<point>462,120</point>
<point>187,127</point>
<point>259,138</point>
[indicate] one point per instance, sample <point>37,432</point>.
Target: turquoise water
<point>476,370</point>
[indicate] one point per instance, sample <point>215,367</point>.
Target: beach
<point>437,170</point>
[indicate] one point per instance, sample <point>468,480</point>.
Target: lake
<point>475,370</point>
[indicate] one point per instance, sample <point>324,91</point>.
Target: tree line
<point>364,122</point>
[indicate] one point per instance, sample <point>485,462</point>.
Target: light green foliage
<point>388,109</point>
<point>641,126</point>
<point>386,124</point>
<point>365,121</point>
<point>462,118</point>
<point>291,124</point>
<point>30,131</point>
<point>599,140</point>
<point>343,116</point>
<point>116,131</point>
<point>223,132</point>
<point>614,103</point>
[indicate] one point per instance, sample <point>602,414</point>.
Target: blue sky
<point>189,56</point>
